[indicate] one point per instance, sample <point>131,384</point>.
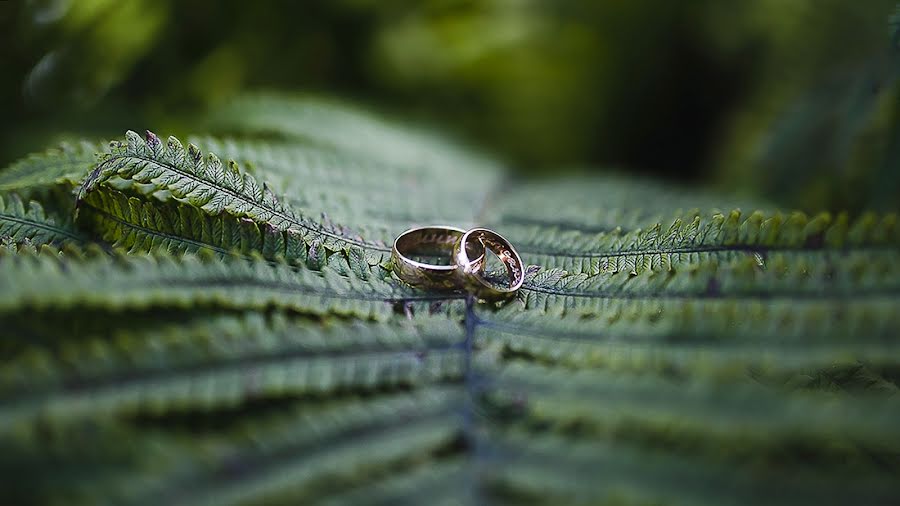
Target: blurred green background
<point>794,101</point>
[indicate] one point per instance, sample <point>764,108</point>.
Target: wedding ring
<point>472,271</point>
<point>438,242</point>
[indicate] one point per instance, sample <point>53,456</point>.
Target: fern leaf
<point>787,277</point>
<point>410,440</point>
<point>558,470</point>
<point>777,341</point>
<point>712,321</point>
<point>140,225</point>
<point>210,185</point>
<point>715,419</point>
<point>379,200</point>
<point>230,359</point>
<point>87,463</point>
<point>695,239</point>
<point>308,453</point>
<point>119,283</point>
<point>64,167</point>
<point>177,468</point>
<point>19,223</point>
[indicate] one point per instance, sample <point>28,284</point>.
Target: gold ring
<point>471,271</point>
<point>432,241</point>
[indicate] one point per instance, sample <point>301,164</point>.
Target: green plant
<point>186,328</point>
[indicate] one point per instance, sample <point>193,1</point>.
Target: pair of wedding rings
<point>467,252</point>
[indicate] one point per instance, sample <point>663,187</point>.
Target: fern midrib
<point>472,382</point>
<point>40,225</point>
<point>317,229</point>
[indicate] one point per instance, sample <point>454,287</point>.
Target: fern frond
<point>341,462</point>
<point>19,223</point>
<point>228,358</point>
<point>141,282</point>
<point>144,461</point>
<point>210,185</point>
<point>315,451</point>
<point>558,470</point>
<point>141,225</point>
<point>82,463</point>
<point>778,341</point>
<point>231,383</point>
<point>256,350</point>
<point>63,167</point>
<point>379,200</point>
<point>724,421</point>
<point>721,321</point>
<point>873,275</point>
<point>696,238</point>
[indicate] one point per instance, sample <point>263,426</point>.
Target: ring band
<point>437,241</point>
<point>471,271</point>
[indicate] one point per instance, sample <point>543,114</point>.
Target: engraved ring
<point>472,270</point>
<point>434,241</point>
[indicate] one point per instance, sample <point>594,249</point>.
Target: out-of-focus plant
<point>821,126</point>
<point>96,43</point>
<point>795,101</point>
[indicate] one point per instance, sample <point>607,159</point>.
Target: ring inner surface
<point>504,253</point>
<point>431,246</point>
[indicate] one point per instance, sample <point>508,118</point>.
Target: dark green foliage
<point>203,182</point>
<point>237,338</point>
<point>140,225</point>
<point>20,222</point>
<point>895,28</point>
<point>64,167</point>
